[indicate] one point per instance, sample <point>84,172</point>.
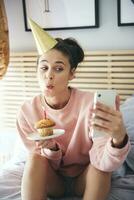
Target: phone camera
<point>99,95</point>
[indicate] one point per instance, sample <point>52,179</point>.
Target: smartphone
<point>107,97</point>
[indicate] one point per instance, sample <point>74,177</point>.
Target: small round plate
<point>56,133</point>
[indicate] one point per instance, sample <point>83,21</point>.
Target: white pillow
<point>127,110</point>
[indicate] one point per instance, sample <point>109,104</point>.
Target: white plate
<point>36,136</point>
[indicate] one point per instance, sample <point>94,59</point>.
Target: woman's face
<point>54,72</point>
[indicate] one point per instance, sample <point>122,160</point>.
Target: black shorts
<point>69,184</point>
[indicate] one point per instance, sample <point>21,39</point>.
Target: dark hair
<point>72,49</point>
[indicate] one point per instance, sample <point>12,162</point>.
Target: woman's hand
<point>109,120</point>
<point>49,144</point>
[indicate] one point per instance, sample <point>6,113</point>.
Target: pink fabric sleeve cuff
<point>117,151</point>
<point>51,155</point>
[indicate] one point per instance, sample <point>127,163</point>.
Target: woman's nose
<point>50,75</point>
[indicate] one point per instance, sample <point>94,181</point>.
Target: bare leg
<point>39,179</point>
<point>94,184</point>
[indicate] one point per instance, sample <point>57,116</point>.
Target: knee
<point>33,156</point>
<point>34,160</point>
<point>96,172</point>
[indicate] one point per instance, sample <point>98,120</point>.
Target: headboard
<point>107,70</point>
<point>99,70</point>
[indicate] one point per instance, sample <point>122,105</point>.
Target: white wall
<point>107,36</point>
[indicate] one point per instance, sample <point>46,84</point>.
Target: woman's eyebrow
<point>43,61</point>
<point>60,62</point>
<point>57,62</point>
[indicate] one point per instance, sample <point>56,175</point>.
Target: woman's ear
<point>72,74</point>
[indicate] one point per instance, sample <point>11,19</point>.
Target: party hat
<point>44,41</point>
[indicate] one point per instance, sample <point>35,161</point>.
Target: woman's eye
<point>58,69</point>
<point>44,68</point>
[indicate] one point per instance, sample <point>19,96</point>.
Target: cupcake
<point>45,127</point>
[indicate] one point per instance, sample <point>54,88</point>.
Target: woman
<point>73,164</point>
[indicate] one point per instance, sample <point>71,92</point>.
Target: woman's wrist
<point>119,144</point>
<point>56,148</point>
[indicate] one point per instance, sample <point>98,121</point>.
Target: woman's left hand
<point>109,120</point>
<point>49,144</point>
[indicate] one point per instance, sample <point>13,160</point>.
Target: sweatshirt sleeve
<point>105,157</point>
<point>54,156</point>
<point>24,128</point>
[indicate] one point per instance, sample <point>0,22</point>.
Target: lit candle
<point>45,116</point>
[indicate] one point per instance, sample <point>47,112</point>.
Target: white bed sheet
<point>10,189</point>
<point>10,184</point>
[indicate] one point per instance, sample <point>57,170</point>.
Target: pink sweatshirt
<point>76,147</point>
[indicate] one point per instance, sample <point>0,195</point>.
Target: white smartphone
<point>107,97</point>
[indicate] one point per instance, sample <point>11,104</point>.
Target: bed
<point>99,70</point>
